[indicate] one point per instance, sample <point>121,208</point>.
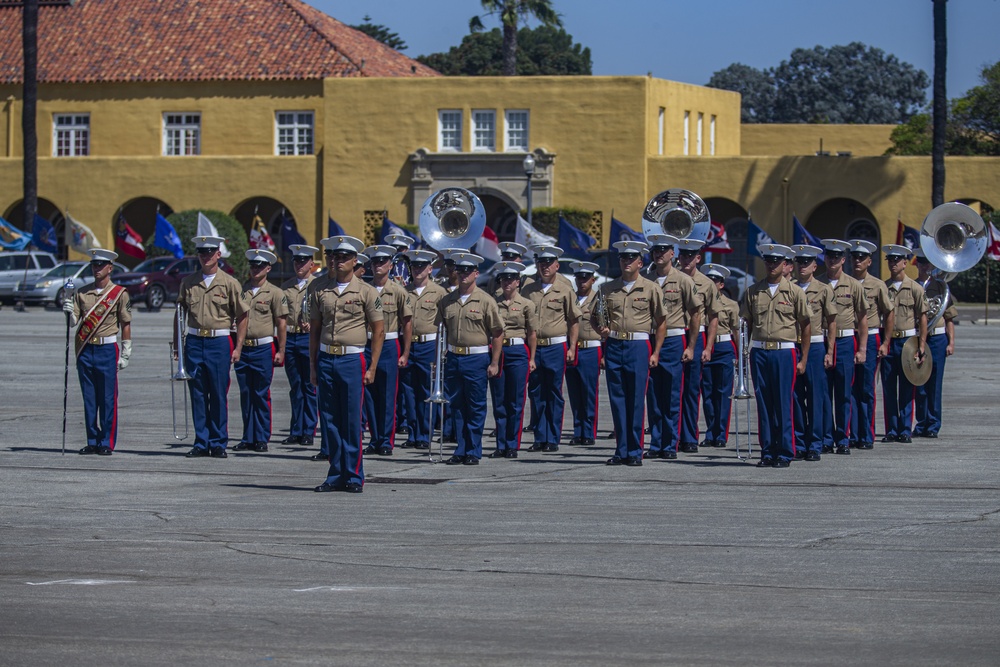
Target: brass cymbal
<point>916,373</point>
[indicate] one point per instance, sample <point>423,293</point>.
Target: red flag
<point>487,246</point>
<point>259,238</point>
<point>127,240</point>
<point>993,250</point>
<point>717,240</point>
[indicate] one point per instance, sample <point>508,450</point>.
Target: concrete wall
<point>800,139</point>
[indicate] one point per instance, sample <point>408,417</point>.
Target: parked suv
<point>158,279</point>
<point>50,288</point>
<point>12,269</point>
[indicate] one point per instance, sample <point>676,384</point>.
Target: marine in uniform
<point>558,330</point>
<point>717,374</point>
<point>689,253</point>
<point>582,378</point>
<point>475,342</point>
<point>510,387</point>
<point>397,314</point>
<point>263,349</point>
<point>424,296</point>
<point>400,274</point>
<point>104,312</point>
<point>448,278</point>
<point>509,252</point>
<point>682,310</point>
<point>777,313</point>
<point>212,299</point>
<point>910,319</point>
<point>852,326</point>
<point>879,308</point>
<point>633,307</point>
<point>812,391</point>
<point>301,392</point>
<point>940,344</point>
<point>343,309</point>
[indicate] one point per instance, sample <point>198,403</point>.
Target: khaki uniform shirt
<point>296,297</point>
<point>344,316</point>
<point>519,316</point>
<point>555,308</point>
<point>680,297</point>
<point>729,316</point>
<point>820,297</point>
<point>215,307</point>
<point>396,306</point>
<point>775,318</point>
<point>878,301</point>
<point>425,307</point>
<point>470,324</point>
<point>263,309</point>
<point>935,289</point>
<point>849,298</point>
<point>909,303</point>
<point>586,310</point>
<point>634,311</point>
<point>88,297</point>
<point>707,295</point>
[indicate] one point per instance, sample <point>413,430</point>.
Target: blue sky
<point>689,40</point>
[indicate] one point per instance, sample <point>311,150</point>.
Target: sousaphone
<point>452,218</point>
<point>678,212</point>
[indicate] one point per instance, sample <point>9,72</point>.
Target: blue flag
<point>390,227</point>
<point>755,237</point>
<point>801,235</point>
<point>44,235</point>
<point>12,238</point>
<point>289,234</point>
<point>907,236</point>
<point>332,228</point>
<point>574,241</point>
<point>166,237</point>
<point>622,232</point>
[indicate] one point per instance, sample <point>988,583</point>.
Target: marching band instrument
<point>180,373</point>
<point>741,386</point>
<point>680,213</point>
<point>436,396</point>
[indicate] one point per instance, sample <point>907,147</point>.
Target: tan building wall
<point>801,139</point>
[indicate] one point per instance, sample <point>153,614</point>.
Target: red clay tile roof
<point>194,40</point>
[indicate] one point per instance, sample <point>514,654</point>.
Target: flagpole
<point>986,306</point>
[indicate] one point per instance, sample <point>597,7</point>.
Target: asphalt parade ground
<point>888,556</point>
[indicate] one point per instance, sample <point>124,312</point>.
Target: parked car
<point>13,265</point>
<point>737,283</point>
<point>50,287</point>
<point>158,279</point>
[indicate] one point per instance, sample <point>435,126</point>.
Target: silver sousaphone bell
<point>452,218</point>
<point>678,212</point>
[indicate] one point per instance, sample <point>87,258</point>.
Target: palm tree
<point>511,13</point>
<point>940,102</point>
<point>30,41</point>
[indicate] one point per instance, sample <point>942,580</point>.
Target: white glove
<point>68,308</point>
<point>125,354</point>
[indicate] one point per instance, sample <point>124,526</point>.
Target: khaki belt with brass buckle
<point>904,333</point>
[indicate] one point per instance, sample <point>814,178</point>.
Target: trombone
<point>436,395</point>
<point>741,387</point>
<point>179,373</point>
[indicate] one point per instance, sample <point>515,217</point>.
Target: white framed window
<point>182,134</point>
<point>660,125</point>
<point>293,133</point>
<point>449,130</point>
<point>687,133</point>
<point>711,135</point>
<point>70,134</point>
<point>700,134</point>
<point>516,130</point>
<point>484,130</point>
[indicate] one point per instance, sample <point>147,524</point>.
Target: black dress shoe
<point>455,460</point>
<point>306,440</point>
<point>650,454</point>
<point>327,487</point>
<point>403,430</point>
<point>812,456</point>
<point>782,463</point>
<point>766,463</point>
<point>319,457</point>
<point>588,442</point>
<point>828,449</point>
<point>510,454</point>
<point>290,440</point>
<point>498,454</point>
<point>551,447</point>
<point>843,450</point>
<point>919,434</point>
<point>407,445</point>
<point>104,451</point>
<point>634,461</point>
<point>689,448</point>
<point>240,446</point>
<point>421,445</point>
<point>904,439</point>
<point>719,443</point>
<point>799,456</point>
<point>930,435</point>
<point>866,445</point>
<point>470,460</point>
<point>219,453</point>
<point>385,451</point>
<point>668,455</point>
<point>89,449</point>
<point>707,443</point>
<point>889,438</point>
<point>260,446</point>
<point>537,447</point>
<point>353,487</point>
<point>615,461</point>
<point>196,452</point>
<point>371,449</point>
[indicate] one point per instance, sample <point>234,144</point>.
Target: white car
<point>21,266</point>
<point>49,288</point>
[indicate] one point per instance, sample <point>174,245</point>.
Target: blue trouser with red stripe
<point>465,382</point>
<point>550,367</point>
<point>417,375</point>
<point>774,385</point>
<point>841,382</point>
<point>97,367</point>
<point>341,386</point>
<point>897,392</point>
<point>929,394</point>
<point>626,365</point>
<point>254,372</point>
<point>207,360</point>
<point>384,391</point>
<point>509,390</point>
<point>663,396</point>
<point>301,393</point>
<point>863,394</point>
<point>812,401</point>
<point>717,390</point>
<point>582,380</point>
<point>691,394</point>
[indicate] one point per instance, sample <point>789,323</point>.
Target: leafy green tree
<point>756,88</point>
<point>381,33</point>
<point>511,14</point>
<point>543,50</point>
<point>546,218</point>
<point>186,224</point>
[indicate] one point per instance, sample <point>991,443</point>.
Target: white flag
<point>81,237</point>
<point>528,236</point>
<point>206,228</point>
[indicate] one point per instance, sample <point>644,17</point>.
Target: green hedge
<point>546,219</point>
<point>186,224</point>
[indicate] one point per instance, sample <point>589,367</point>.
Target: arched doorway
<point>273,214</point>
<point>501,214</point>
<point>140,215</point>
<point>844,218</point>
<point>48,212</point>
<point>733,219</point>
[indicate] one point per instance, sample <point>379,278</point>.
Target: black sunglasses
<point>418,266</point>
<point>99,263</point>
<point>465,269</point>
<point>510,255</point>
<point>773,259</point>
<point>661,248</point>
<point>206,251</point>
<point>834,254</point>
<point>892,259</point>
<point>545,261</point>
<point>380,260</point>
<point>506,277</point>
<point>627,257</point>
<point>302,260</point>
<point>258,264</point>
<point>340,254</point>
<point>689,253</point>
<point>804,260</point>
<point>859,255</point>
